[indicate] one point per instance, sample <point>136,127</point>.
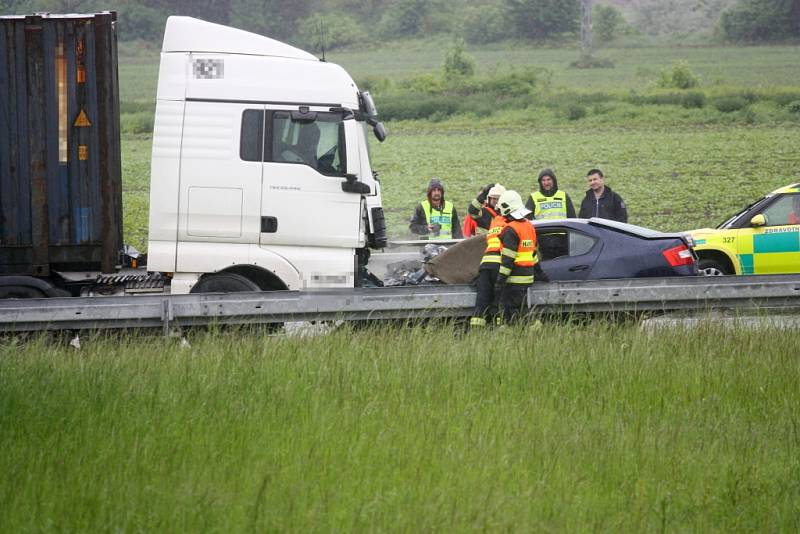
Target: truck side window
<point>251,145</point>
<point>317,143</point>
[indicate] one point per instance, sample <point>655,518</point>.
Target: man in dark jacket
<point>434,216</point>
<point>549,202</point>
<point>601,201</point>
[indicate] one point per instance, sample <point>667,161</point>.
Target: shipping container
<point>60,172</point>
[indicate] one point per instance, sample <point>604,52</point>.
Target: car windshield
<point>730,220</point>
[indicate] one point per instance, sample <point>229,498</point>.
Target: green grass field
<point>568,428</point>
<point>593,427</point>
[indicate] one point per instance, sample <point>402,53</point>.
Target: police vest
<point>493,243</point>
<point>554,207</point>
<point>443,218</point>
<point>525,257</point>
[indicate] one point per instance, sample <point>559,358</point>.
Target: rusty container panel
<point>60,171</point>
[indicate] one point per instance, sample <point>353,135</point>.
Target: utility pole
<point>587,47</point>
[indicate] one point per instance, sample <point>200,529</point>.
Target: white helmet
<point>508,202</point>
<point>496,191</point>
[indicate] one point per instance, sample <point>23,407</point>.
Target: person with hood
<point>549,202</point>
<point>482,210</point>
<point>435,216</point>
<point>601,201</point>
<point>519,261</point>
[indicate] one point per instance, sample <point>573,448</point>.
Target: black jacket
<point>609,206</point>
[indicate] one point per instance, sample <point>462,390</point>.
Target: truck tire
<point>20,292</point>
<point>224,283</point>
<point>29,287</point>
<point>709,267</point>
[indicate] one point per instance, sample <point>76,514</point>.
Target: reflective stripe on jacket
<point>443,218</point>
<point>554,207</point>
<point>493,243</point>
<point>518,256</point>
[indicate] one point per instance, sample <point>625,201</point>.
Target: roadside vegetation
<point>596,427</point>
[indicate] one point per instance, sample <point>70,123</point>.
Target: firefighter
<point>519,261</point>
<point>435,216</point>
<point>485,307</point>
<point>481,210</point>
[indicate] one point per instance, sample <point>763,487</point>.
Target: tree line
<point>337,23</point>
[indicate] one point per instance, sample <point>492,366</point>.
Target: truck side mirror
<point>380,132</point>
<point>758,220</point>
<point>352,157</point>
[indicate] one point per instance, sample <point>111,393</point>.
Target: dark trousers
<point>514,299</point>
<point>484,301</point>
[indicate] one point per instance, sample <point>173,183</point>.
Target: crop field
<point>566,428</point>
<point>672,178</point>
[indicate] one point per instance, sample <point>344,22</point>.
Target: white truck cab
<point>260,175</point>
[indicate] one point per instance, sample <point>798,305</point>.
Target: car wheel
<point>709,267</point>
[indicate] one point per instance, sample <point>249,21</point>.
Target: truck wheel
<point>224,283</point>
<point>227,282</point>
<point>20,292</point>
<point>708,267</point>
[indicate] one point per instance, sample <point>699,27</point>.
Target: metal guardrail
<point>755,292</point>
<point>606,296</point>
<point>165,311</point>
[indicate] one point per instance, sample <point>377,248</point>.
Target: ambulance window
<point>251,145</point>
<point>317,143</point>
<point>783,211</point>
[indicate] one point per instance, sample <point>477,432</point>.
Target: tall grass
<point>561,428</point>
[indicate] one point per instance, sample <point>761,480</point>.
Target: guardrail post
<point>167,315</point>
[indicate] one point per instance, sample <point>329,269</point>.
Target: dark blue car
<point>586,249</point>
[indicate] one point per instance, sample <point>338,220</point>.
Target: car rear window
<point>632,229</point>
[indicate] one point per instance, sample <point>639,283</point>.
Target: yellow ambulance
<point>763,238</point>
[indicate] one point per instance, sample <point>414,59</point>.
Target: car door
<point>302,201</point>
<point>773,248</point>
<point>566,253</point>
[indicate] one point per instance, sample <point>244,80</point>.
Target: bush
<point>693,100</point>
<point>606,22</point>
<point>519,82</point>
<point>374,84</point>
<point>729,104</point>
<point>485,24</point>
<point>404,18</point>
<point>787,98</point>
<point>679,76</point>
<point>457,63</point>
<point>575,111</point>
<point>334,30</point>
<point>760,20</point>
<point>794,107</point>
<point>592,62</point>
<point>406,106</point>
